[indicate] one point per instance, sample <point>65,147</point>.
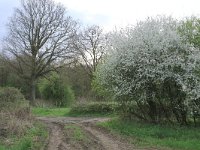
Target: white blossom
<point>150,50</point>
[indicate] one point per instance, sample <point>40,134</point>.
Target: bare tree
<point>91,45</point>
<point>40,35</point>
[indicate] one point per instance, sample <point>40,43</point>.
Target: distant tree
<point>3,73</point>
<point>54,89</point>
<point>40,36</point>
<point>77,77</point>
<point>91,46</point>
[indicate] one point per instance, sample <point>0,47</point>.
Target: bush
<point>152,66</point>
<point>95,107</point>
<point>100,92</point>
<point>12,99</point>
<point>14,112</point>
<point>56,91</point>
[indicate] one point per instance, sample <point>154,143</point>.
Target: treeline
<point>46,46</point>
<point>60,87</point>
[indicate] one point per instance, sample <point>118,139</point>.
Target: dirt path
<point>69,133</point>
<point>55,137</point>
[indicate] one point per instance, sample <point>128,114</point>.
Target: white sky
<point>111,13</point>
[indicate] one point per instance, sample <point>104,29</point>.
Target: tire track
<point>96,138</point>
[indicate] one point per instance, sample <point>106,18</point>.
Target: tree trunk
<point>33,86</point>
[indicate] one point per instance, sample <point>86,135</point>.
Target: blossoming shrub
<point>152,69</point>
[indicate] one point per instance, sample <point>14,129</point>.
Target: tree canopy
<point>40,36</point>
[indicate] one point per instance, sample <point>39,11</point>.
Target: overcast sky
<point>112,13</point>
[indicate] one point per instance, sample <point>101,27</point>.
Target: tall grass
<point>18,129</point>
<point>34,139</point>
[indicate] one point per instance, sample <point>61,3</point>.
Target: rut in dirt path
<point>109,143</point>
<point>55,139</point>
<point>95,137</point>
<point>55,136</point>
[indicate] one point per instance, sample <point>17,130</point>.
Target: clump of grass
<point>175,137</point>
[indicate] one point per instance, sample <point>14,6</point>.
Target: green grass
<point>77,134</point>
<point>148,135</point>
<point>51,112</point>
<point>34,139</point>
<point>65,112</point>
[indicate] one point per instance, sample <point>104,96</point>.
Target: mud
<point>94,138</point>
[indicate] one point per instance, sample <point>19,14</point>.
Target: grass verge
<point>65,112</point>
<point>146,135</point>
<point>51,112</point>
<point>34,139</point>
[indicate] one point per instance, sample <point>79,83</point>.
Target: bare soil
<point>95,138</point>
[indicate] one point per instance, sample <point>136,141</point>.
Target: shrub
<point>14,112</point>
<point>95,107</point>
<point>56,91</point>
<point>153,66</point>
<point>12,99</point>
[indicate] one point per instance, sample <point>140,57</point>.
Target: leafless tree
<point>91,46</point>
<point>40,36</point>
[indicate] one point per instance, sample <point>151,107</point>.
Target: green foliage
<point>190,28</point>
<point>179,138</point>
<point>78,78</point>
<point>11,99</point>
<point>94,107</point>
<point>54,89</point>
<point>100,90</point>
<point>9,78</point>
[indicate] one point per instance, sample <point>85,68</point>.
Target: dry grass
<point>18,129</point>
<point>15,123</point>
<point>43,103</point>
